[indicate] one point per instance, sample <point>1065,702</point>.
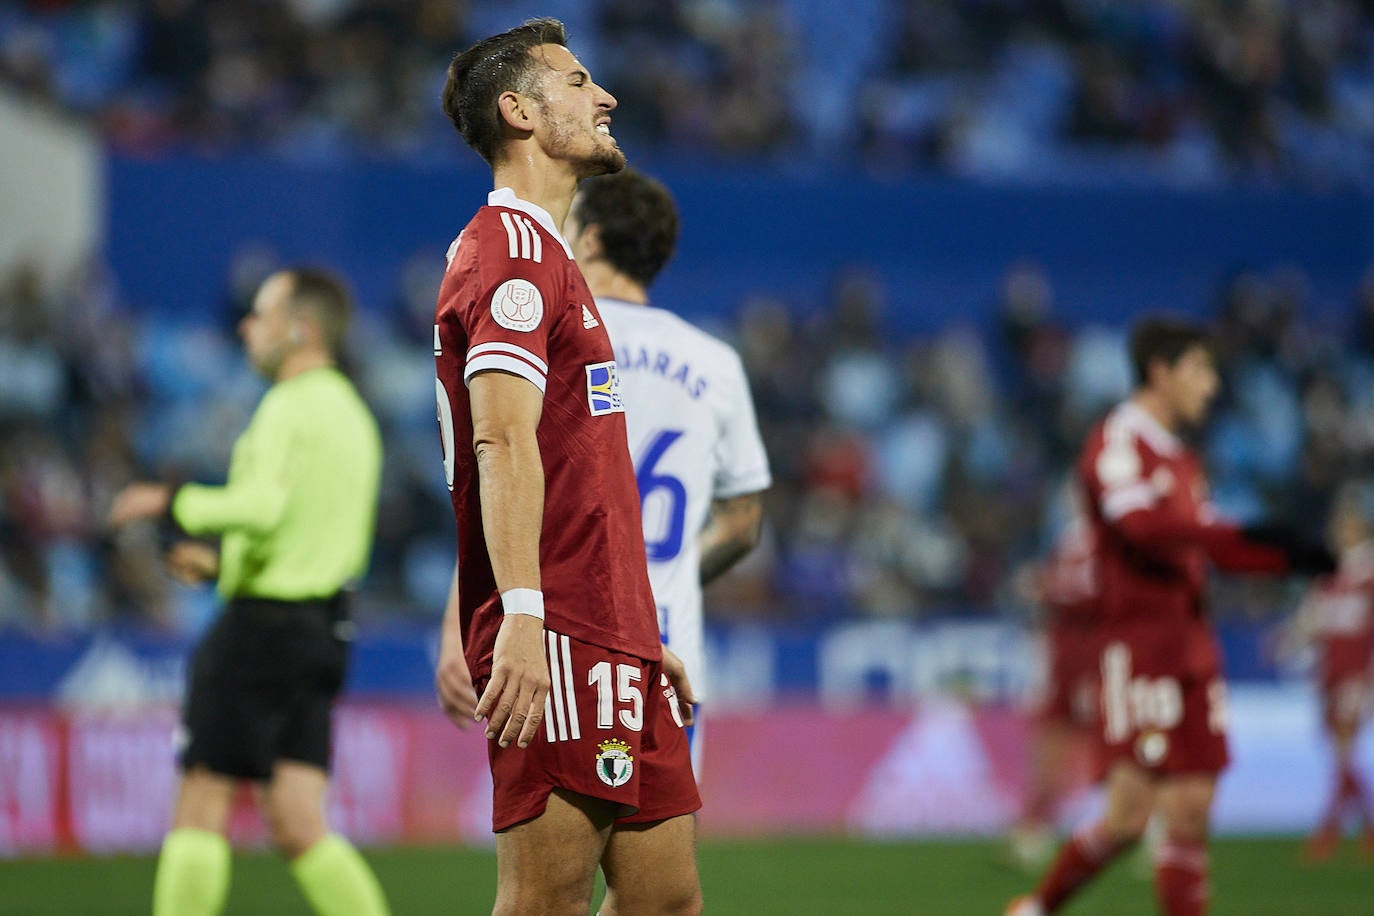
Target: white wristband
<point>523,601</point>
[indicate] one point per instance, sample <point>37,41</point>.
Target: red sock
<point>1344,784</point>
<point>1355,790</point>
<point>1181,878</point>
<point>1082,857</point>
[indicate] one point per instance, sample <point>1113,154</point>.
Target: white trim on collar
<point>1138,419</point>
<point>505,197</point>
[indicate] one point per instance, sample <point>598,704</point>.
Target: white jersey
<point>693,438</point>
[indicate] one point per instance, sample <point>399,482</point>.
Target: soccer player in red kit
<point>1163,712</point>
<point>554,616</point>
<point>1066,589</point>
<point>1337,618</point>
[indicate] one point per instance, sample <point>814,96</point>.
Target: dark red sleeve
<point>1157,529</point>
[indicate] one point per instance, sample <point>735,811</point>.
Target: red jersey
<point>1153,524</point>
<point>1068,581</point>
<point>513,300</point>
<point>1339,614</point>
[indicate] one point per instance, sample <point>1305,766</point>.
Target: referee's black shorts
<point>262,685</point>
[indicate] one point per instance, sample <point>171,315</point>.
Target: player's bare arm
<point>193,562</point>
<point>452,679</point>
<point>505,419</point>
<point>139,501</point>
<point>732,530</point>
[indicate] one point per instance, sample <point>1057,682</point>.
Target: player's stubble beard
<point>606,157</point>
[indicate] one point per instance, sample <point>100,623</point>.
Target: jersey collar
<point>505,197</point>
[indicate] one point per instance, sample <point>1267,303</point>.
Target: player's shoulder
<point>1112,453</point>
<point>510,232</point>
<point>691,336</point>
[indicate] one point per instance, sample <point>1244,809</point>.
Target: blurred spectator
<point>912,475</point>
<point>1200,92</point>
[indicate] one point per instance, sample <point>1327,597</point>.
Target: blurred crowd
<point>1189,92</point>
<point>913,476</point>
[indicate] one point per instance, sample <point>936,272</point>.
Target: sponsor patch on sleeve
<point>517,305</point>
<point>603,389</point>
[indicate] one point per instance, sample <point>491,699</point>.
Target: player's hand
<point>682,687</point>
<point>513,703</point>
<point>1305,556</point>
<point>138,501</point>
<point>192,562</point>
<point>453,684</point>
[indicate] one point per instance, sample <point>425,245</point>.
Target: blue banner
<point>856,662</point>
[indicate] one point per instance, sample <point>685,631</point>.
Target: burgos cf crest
<point>614,764</point>
<point>603,389</point>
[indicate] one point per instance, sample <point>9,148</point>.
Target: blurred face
<point>269,331</point>
<point>1189,385</point>
<point>576,114</point>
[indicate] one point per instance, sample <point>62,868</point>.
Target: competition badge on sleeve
<point>517,305</point>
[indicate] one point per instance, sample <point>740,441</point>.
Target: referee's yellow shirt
<point>299,509</point>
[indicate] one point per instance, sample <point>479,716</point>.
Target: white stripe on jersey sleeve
<point>524,227</point>
<point>510,349</point>
<point>511,236</point>
<point>538,243</point>
<point>505,363</point>
<point>1122,502</point>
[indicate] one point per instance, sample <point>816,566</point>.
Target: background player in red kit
<point>1163,717</point>
<point>1337,619</point>
<point>1065,589</point>
<point>555,616</point>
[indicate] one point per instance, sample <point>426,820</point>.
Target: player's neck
<point>543,182</point>
<point>1153,404</point>
<point>302,361</point>
<point>606,282</point>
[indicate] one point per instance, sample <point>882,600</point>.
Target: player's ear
<point>589,241</point>
<point>515,110</point>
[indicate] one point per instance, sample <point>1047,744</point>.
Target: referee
<point>295,522</point>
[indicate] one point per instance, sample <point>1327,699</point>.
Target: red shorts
<point>1072,685</point>
<point>1164,699</point>
<point>1346,701</point>
<point>611,730</point>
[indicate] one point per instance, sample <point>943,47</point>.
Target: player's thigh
<point>652,868</point>
<point>1185,804</point>
<point>547,864</point>
<point>1129,800</point>
<point>203,800</point>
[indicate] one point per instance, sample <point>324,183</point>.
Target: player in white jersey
<point>698,457</point>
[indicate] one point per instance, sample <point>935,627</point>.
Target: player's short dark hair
<point>638,221</point>
<point>478,76</point>
<point>1164,338</point>
<point>324,298</point>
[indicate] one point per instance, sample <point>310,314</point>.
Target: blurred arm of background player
<point>732,530</point>
<point>193,562</point>
<point>452,680</point>
<point>189,562</point>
